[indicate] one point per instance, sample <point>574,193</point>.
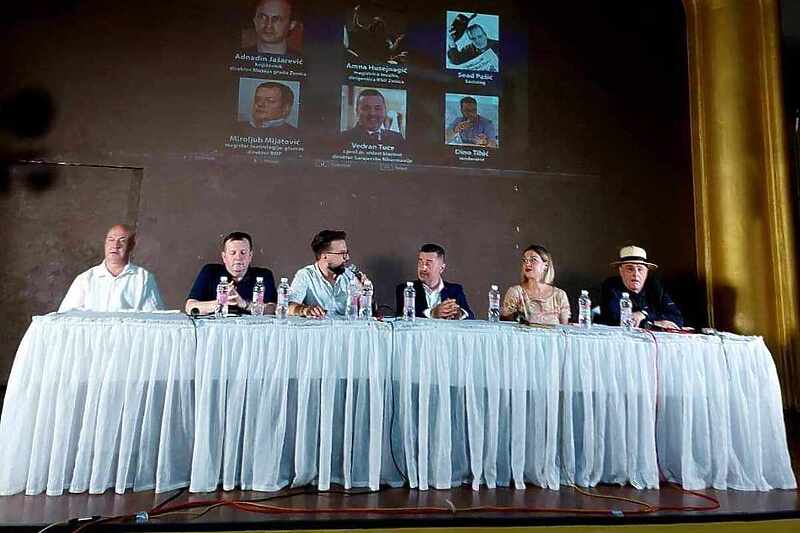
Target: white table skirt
<point>289,403</point>
<point>720,418</point>
<point>153,401</point>
<point>96,401</point>
<point>504,404</point>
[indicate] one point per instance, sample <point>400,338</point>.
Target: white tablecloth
<point>155,401</point>
<point>289,403</point>
<point>96,401</point>
<point>502,403</point>
<point>720,418</point>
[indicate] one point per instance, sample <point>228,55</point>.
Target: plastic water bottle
<point>409,302</point>
<point>585,310</point>
<point>494,304</point>
<point>353,297</point>
<point>222,297</point>
<point>625,311</point>
<point>257,304</point>
<point>282,307</point>
<point>365,305</point>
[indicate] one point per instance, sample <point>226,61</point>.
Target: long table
<point>159,401</point>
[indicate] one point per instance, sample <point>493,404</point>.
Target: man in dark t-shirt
<point>237,253</point>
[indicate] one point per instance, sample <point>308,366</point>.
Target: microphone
<point>194,312</point>
<point>353,268</point>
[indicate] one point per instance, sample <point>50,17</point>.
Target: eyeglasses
<point>339,253</point>
<point>532,260</point>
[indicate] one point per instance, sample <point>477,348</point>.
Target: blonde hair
<point>550,272</point>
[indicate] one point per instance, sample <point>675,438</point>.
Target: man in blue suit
<point>435,298</point>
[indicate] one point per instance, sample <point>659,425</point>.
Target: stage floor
<point>306,509</point>
<point>395,508</point>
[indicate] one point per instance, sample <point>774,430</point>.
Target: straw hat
<point>634,255</point>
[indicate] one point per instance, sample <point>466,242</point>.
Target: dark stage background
<point>125,110</point>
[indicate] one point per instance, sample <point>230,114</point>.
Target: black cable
<point>165,502</point>
<point>391,418</point>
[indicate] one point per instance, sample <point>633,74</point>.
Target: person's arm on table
<point>76,295</point>
<point>669,315</point>
<point>202,297</point>
<point>298,295</point>
<point>151,299</point>
<point>511,306</point>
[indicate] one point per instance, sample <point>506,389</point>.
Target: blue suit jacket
<point>450,290</point>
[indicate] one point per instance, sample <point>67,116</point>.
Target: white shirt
<point>434,297</point>
<point>310,287</point>
<point>134,289</point>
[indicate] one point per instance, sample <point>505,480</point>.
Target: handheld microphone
<point>353,268</point>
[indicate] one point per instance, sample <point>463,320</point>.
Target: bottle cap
<point>284,280</point>
<point>223,279</point>
<point>259,280</point>
<point>409,283</point>
<point>494,287</point>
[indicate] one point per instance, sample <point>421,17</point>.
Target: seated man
<point>651,303</point>
<point>237,253</point>
<point>115,284</point>
<point>321,287</point>
<point>435,297</point>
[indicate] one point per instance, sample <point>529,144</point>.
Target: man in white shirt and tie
<point>116,284</point>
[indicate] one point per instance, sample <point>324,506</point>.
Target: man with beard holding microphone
<point>320,288</point>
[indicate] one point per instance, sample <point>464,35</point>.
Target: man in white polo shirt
<point>115,284</point>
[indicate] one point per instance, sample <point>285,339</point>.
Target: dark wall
<point>136,114</point>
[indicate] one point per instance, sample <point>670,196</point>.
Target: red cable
<point>715,502</point>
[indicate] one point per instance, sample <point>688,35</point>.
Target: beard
<point>338,270</point>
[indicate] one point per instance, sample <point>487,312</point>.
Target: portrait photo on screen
<point>373,115</point>
<point>375,32</point>
<point>472,120</point>
<point>273,27</point>
<point>472,41</point>
<point>269,107</point>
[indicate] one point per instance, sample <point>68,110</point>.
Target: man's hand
<point>234,298</point>
<point>448,309</point>
<point>312,311</point>
<point>637,318</point>
<point>461,126</point>
<point>666,324</point>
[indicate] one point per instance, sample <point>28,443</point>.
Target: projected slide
<point>271,40</point>
<point>267,118</point>
<point>276,29</point>
<point>473,41</point>
<point>373,125</point>
<point>375,33</point>
<point>360,82</point>
<point>472,121</point>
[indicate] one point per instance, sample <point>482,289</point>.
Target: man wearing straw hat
<point>652,306</point>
